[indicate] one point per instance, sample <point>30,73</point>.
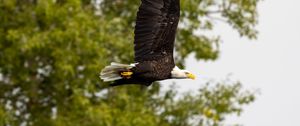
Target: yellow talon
<point>126,74</point>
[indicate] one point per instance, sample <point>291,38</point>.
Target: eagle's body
<point>155,31</point>
<point>147,72</point>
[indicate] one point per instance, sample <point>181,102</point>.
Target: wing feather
<point>155,28</point>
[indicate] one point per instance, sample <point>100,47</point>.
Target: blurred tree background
<point>51,52</point>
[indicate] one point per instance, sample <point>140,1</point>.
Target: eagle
<point>154,37</point>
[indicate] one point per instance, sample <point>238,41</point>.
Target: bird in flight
<point>155,31</point>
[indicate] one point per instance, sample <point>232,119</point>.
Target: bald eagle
<point>155,30</point>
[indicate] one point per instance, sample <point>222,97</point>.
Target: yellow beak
<point>191,76</point>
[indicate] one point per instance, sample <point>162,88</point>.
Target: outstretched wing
<point>155,29</point>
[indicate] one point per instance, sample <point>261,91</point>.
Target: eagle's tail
<point>112,72</point>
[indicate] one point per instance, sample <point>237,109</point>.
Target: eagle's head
<point>177,73</point>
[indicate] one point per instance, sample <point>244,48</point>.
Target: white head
<point>177,73</point>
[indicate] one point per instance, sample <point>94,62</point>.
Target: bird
<point>154,38</point>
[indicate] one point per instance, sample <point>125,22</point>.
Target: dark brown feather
<point>155,29</point>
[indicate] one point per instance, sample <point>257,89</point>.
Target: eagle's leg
<point>126,74</point>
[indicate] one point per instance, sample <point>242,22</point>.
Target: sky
<point>271,64</point>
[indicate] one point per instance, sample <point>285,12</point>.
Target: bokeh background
<point>270,64</point>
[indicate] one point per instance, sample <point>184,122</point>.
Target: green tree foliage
<point>52,50</point>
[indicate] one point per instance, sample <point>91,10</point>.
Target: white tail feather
<point>118,64</point>
<point>111,73</point>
